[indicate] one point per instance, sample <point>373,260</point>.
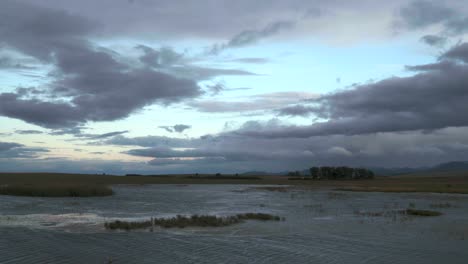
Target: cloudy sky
<point>180,86</point>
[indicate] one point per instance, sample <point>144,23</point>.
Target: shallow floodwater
<point>321,226</point>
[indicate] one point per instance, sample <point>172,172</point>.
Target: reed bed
<point>189,221</point>
<point>56,190</point>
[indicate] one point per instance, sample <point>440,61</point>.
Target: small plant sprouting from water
<point>417,212</point>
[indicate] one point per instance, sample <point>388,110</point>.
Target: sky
<point>179,86</point>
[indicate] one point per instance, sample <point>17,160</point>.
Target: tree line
<point>336,173</point>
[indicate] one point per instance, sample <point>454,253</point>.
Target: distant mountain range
<point>453,166</point>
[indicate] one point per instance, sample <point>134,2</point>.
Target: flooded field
<point>320,226</point>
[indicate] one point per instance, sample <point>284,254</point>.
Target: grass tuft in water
<point>417,212</point>
<point>188,221</point>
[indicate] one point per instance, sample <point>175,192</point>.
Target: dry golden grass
<point>439,183</point>
<point>56,190</point>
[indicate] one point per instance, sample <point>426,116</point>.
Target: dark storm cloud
<point>433,40</point>
<point>39,112</point>
<point>175,18</point>
<point>234,153</point>
<point>421,14</point>
<point>434,98</point>
<point>459,52</point>
<point>100,87</point>
<point>14,150</point>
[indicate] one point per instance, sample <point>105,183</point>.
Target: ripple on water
<point>320,228</point>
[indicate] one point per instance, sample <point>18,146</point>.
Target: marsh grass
<point>190,221</point>
<point>56,190</point>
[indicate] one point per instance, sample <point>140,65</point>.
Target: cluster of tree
<point>337,173</point>
<point>294,173</point>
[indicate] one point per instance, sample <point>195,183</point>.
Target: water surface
<point>321,226</point>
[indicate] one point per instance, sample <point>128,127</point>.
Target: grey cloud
<point>431,99</point>
<point>218,87</point>
<point>98,153</point>
<point>205,73</point>
<point>439,66</point>
<point>4,146</point>
<point>164,57</point>
<point>434,40</point>
<point>181,127</point>
<point>297,110</point>
<point>76,130</point>
<point>167,128</point>
<point>457,25</point>
<point>39,112</point>
<point>10,150</point>
<point>107,135</point>
<point>176,128</point>
<point>154,141</point>
<point>233,152</point>
<point>267,101</point>
<point>9,63</point>
<point>249,37</point>
<point>251,60</point>
<point>419,14</point>
<point>100,87</point>
<point>180,65</point>
<point>459,52</point>
<point>28,132</point>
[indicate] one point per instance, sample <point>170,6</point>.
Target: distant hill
<point>261,173</point>
<point>453,166</point>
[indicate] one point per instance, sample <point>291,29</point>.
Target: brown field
<point>436,182</point>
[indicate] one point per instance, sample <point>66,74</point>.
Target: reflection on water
<point>320,227</point>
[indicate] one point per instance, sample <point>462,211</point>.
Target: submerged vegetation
<point>56,190</point>
<point>393,213</point>
<point>417,212</point>
<point>188,221</point>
